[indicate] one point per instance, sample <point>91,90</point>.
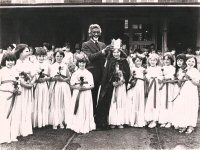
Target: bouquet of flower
<point>117,76</point>
<point>15,93</point>
<point>41,74</point>
<point>25,76</point>
<point>132,80</point>
<point>59,74</point>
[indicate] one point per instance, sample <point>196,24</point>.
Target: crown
<point>116,43</point>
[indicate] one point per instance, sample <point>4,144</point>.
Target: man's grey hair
<point>92,26</point>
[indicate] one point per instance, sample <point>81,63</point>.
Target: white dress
<point>153,99</point>
<point>185,110</point>
<point>136,100</point>
<point>6,134</point>
<point>26,99</point>
<point>117,112</point>
<point>166,98</point>
<point>83,120</point>
<point>40,113</point>
<point>60,96</point>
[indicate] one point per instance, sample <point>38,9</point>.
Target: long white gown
<point>60,97</point>
<point>136,100</point>
<point>83,120</point>
<point>166,106</point>
<point>40,113</point>
<point>26,98</point>
<point>6,77</point>
<point>152,107</point>
<point>117,112</point>
<point>185,110</point>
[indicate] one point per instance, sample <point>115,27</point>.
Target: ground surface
<point>127,138</point>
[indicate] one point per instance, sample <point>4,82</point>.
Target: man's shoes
<point>102,128</point>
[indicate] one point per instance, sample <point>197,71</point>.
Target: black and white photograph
<point>99,74</point>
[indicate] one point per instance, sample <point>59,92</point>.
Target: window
<point>142,32</point>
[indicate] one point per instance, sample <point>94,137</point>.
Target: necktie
<point>97,45</point>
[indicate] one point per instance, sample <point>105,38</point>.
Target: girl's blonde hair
<point>153,56</point>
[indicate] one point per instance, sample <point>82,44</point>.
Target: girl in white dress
<point>117,112</point>
<point>187,112</point>
<point>24,67</point>
<point>179,76</point>
<point>8,84</point>
<point>81,113</point>
<point>60,93</point>
<point>136,95</point>
<point>153,98</point>
<point>166,91</point>
<point>41,90</point>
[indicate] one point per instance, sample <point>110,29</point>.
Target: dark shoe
<point>105,128</point>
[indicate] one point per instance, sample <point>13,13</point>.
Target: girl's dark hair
<point>138,51</point>
<point>33,50</point>
<point>8,56</point>
<point>137,56</point>
<point>84,59</point>
<point>169,57</point>
<point>195,59</point>
<point>183,57</point>
<point>47,45</point>
<point>60,52</point>
<point>40,51</point>
<point>19,49</point>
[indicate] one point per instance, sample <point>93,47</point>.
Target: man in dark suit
<point>96,52</point>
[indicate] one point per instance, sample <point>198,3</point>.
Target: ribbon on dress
<point>182,83</point>
<point>82,82</point>
<point>166,84</point>
<point>13,96</point>
<point>153,82</point>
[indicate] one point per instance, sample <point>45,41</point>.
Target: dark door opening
<point>114,29</point>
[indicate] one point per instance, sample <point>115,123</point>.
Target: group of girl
<point>140,96</point>
<point>40,94</point>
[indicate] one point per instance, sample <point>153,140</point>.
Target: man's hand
<point>108,48</point>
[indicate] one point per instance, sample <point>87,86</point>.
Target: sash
<point>167,90</point>
<point>7,81</point>
<point>183,82</point>
<point>13,96</point>
<point>77,100</point>
<point>153,82</point>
